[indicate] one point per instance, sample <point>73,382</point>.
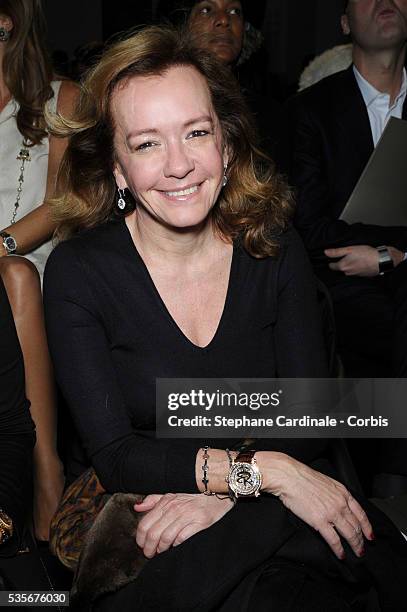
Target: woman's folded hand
<point>322,502</point>
<point>174,517</point>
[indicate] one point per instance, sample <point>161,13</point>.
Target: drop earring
<point>121,202</point>
<point>225,178</point>
<point>4,34</point>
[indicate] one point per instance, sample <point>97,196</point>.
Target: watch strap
<point>246,456</point>
<point>385,261</point>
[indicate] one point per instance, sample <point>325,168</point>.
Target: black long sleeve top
<point>111,336</point>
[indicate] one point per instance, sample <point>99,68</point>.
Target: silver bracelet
<point>205,469</point>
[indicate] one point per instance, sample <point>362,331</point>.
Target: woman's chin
<point>186,221</point>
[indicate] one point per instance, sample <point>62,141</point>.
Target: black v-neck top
<point>111,336</point>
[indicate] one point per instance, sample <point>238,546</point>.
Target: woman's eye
<point>145,145</point>
<point>204,10</point>
<point>197,133</point>
<point>236,11</point>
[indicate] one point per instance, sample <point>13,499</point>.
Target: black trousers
<point>371,325</point>
<point>371,321</point>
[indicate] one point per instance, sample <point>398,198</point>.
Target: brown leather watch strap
<point>245,456</point>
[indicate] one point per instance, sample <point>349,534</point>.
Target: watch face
<point>244,479</point>
<point>10,244</point>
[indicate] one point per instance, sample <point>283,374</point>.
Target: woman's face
<point>169,146</point>
<point>217,26</point>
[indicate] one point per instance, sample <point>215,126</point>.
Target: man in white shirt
<point>335,126</point>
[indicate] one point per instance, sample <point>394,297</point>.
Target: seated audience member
<point>222,28</point>
<point>193,270</point>
<point>335,126</point>
<point>29,161</point>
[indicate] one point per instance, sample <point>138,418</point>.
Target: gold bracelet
<point>6,527</point>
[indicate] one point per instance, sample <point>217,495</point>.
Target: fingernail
<point>372,536</point>
<point>342,556</point>
<point>362,552</point>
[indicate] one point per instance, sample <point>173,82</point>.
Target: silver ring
<point>358,529</point>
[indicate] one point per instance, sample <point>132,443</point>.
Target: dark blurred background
<point>294,30</point>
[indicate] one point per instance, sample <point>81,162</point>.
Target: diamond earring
<point>121,202</point>
<point>225,178</point>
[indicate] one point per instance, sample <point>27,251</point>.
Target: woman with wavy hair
<point>179,261</point>
<point>29,161</point>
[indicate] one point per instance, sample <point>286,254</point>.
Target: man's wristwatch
<point>385,261</point>
<point>9,243</point>
<point>244,478</point>
<point>6,527</point>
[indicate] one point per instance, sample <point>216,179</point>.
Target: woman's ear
<point>6,22</point>
<point>119,178</point>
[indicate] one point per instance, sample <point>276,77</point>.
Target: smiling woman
<point>175,168</point>
<point>201,276</point>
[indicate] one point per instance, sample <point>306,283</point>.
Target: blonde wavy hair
<point>256,203</point>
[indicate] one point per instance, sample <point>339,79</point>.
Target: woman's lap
<point>301,573</point>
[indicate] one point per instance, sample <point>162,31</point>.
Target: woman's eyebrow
<point>141,132</point>
<point>202,118</point>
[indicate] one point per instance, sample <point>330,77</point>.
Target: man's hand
<point>173,518</point>
<point>360,260</point>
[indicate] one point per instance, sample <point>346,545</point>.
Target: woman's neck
<point>173,248</point>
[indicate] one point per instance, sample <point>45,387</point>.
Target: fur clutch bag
<point>93,533</point>
<point>110,557</point>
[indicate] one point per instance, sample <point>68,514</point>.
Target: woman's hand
<point>322,502</point>
<point>48,488</point>
<point>174,517</point>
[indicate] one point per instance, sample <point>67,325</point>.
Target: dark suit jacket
<point>330,144</point>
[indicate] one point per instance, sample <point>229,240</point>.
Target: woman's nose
<point>178,163</point>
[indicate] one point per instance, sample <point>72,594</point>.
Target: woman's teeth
<point>183,192</point>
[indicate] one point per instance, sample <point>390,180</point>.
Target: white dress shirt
<point>378,104</point>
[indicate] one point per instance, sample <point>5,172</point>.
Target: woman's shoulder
<point>290,242</point>
<point>66,93</point>
<point>85,257</point>
<point>93,243</point>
